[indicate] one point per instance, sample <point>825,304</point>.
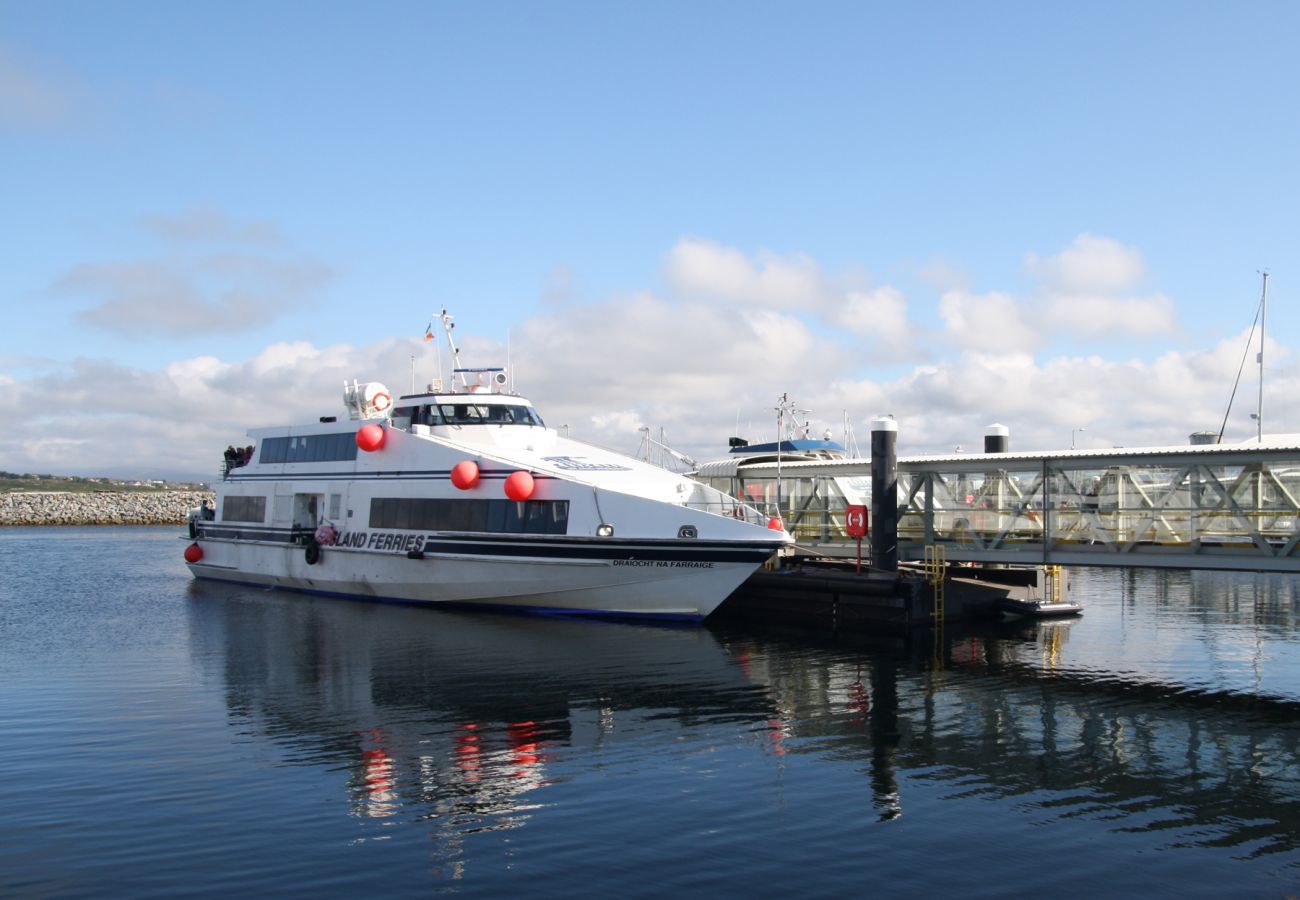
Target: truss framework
<point>1187,514</point>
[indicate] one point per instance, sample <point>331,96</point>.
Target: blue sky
<point>1046,215</point>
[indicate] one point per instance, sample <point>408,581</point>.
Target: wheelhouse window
<point>243,509</point>
<point>476,413</point>
<point>490,516</point>
<point>488,414</point>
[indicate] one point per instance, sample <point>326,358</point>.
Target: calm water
<point>161,737</point>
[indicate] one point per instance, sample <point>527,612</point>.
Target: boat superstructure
<point>769,475</point>
<point>465,496</point>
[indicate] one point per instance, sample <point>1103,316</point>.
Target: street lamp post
<point>1073,432</point>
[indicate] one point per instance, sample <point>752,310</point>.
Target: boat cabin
<point>463,409</point>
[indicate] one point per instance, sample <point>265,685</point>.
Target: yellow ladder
<point>935,566</point>
<point>1055,586</point>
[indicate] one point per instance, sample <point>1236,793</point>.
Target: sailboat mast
<point>1263,315</point>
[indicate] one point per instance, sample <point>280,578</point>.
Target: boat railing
<point>733,510</point>
<point>713,501</point>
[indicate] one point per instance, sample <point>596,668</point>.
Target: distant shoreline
<point>26,508</point>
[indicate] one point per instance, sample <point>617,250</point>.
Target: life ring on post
<point>313,552</point>
<point>381,402</point>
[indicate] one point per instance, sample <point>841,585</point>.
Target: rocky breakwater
<point>99,507</point>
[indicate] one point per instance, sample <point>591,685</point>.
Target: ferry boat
<point>464,496</point>
<point>771,475</point>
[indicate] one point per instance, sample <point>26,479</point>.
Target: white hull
<point>466,498</point>
<point>688,589</point>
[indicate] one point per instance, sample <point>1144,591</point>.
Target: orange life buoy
<point>381,401</point>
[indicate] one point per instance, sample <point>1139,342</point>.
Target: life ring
<point>381,402</point>
<point>313,553</point>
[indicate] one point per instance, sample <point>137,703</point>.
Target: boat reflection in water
<point>458,718</point>
<point>475,724</point>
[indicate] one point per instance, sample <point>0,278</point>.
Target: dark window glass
<point>243,509</point>
<point>309,448</point>
<point>497,517</point>
<point>378,513</point>
<point>402,514</point>
<point>489,413</point>
<point>471,516</point>
<point>272,450</point>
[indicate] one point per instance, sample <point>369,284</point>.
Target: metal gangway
<point>1234,507</point>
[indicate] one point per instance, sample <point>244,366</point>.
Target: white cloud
<point>879,314</point>
<point>684,363</point>
<point>1133,402</point>
<point>1083,295</point>
<point>217,295</point>
<point>623,421</point>
<point>989,323</point>
<point>114,419</point>
<point>119,420</point>
<point>701,268</point>
<point>1087,292</point>
<point>1090,316</point>
<point>700,271</point>
<point>206,290</point>
<point>1090,265</point>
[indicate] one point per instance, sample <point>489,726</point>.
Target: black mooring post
<point>997,439</point>
<point>884,494</point>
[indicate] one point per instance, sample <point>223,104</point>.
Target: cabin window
<point>490,516</point>
<point>243,509</point>
<point>309,448</point>
<point>430,415</point>
<point>488,414</point>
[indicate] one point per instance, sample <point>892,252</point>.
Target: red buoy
<point>370,437</point>
<point>193,553</point>
<point>465,474</point>
<point>519,486</point>
<point>775,524</point>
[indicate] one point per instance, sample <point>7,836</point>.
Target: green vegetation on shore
<point>10,481</point>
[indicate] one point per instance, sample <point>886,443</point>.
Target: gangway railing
<point>1213,507</point>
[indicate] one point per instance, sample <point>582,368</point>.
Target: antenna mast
<point>447,326</point>
<point>1263,315</point>
<point>786,408</point>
